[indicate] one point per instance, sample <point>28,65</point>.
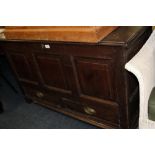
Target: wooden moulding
<point>59,33</point>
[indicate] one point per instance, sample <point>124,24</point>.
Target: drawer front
<point>72,105</point>
<point>105,111</point>
<point>43,97</point>
<point>95,110</point>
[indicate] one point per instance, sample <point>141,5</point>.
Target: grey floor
<point>20,115</point>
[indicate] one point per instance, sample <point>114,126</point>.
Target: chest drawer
<point>43,97</point>
<point>108,112</point>
<point>101,111</point>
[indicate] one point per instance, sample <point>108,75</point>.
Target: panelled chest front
<point>84,80</point>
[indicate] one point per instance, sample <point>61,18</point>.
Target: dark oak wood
<point>1,52</point>
<point>87,81</point>
<point>1,107</point>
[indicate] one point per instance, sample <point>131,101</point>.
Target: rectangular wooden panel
<point>23,67</point>
<point>53,72</point>
<point>95,78</point>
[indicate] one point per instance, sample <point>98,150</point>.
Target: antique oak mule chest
<point>84,80</point>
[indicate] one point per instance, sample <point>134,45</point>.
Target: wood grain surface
<point>59,33</point>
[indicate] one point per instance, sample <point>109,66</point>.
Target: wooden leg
<point>1,107</point>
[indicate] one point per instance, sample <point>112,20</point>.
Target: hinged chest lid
<point>92,34</point>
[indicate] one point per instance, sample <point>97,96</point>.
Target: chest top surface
<point>122,36</point>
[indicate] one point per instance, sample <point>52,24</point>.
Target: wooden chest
<point>84,80</point>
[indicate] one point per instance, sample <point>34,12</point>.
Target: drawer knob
<point>89,110</point>
<point>39,94</point>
